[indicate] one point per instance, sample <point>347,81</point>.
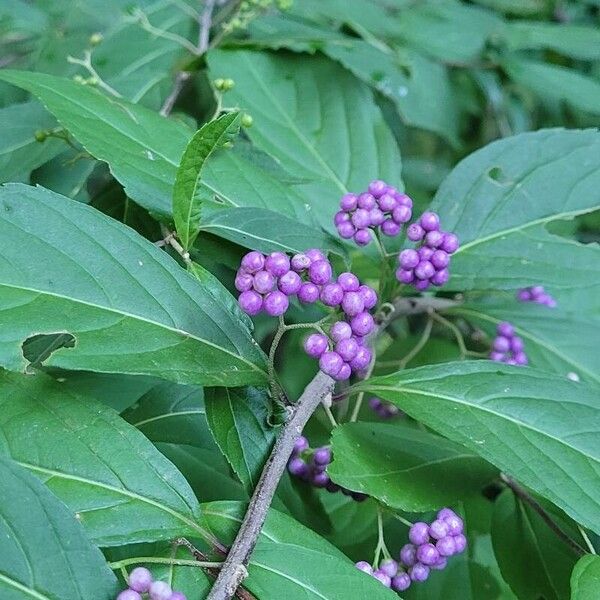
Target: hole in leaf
<point>39,348</point>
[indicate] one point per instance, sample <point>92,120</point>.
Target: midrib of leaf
<point>238,438</point>
<point>22,588</point>
<point>293,127</point>
<point>246,234</point>
<point>123,492</point>
<point>123,313</point>
<point>528,335</point>
<point>300,584</point>
<point>168,416</point>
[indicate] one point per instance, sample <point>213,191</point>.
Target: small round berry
<point>276,303</point>
<point>243,281</point>
<point>415,232</point>
<point>369,296</point>
<point>424,270</point>
<point>434,239</point>
<point>520,358</point>
<point>251,302</point>
<point>510,361</point>
<point>438,529</point>
<point>300,445</point>
<point>346,230</point>
<point>253,262</point>
<point>332,488</point>
<point>425,252</point>
<point>524,295</point>
<point>450,243</point>
<point>497,356</point>
<point>289,283</point>
<point>440,564</point>
<point>460,542</point>
<point>332,294</point>
<point>377,188</point>
<point>330,363</point>
<point>264,282</point>
<point>422,284</point>
<point>322,456</point>
<point>308,293</point>
<point>383,578</point>
<point>347,349</point>
<point>314,254</point>
<point>362,324</point>
<point>352,304</point>
<point>419,533</point>
<point>361,218</point>
<point>440,277</point>
<point>408,555</point>
<point>429,221</point>
<point>455,524</point>
<point>362,237</point>
<point>444,513</point>
<point>401,582</point>
<point>348,202</point>
<point>387,203</point>
<point>377,217</point>
<point>408,258</point>
<point>129,595</point>
<point>300,262</point>
<point>505,329</point>
<point>389,567</point>
<point>446,546</point>
<point>403,200</point>
<point>405,275</point>
<point>418,572</point>
<point>160,590</point>
<point>536,291</point>
<point>550,302</point>
<point>402,214</point>
<point>501,344</point>
<point>366,201</point>
<point>298,467</point>
<point>320,272</point>
<point>348,281</point>
<point>277,263</point>
<point>390,228</point>
<point>344,373</point>
<point>364,566</point>
<point>139,579</point>
<point>178,596</point>
<point>316,344</point>
<point>340,330</point>
<point>439,259</point>
<point>320,480</point>
<point>341,217</point>
<point>427,554</point>
<point>362,359</point>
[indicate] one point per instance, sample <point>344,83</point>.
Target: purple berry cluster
<point>428,264</point>
<point>140,582</point>
<point>385,410</point>
<point>429,548</point>
<point>537,294</point>
<point>508,347</point>
<point>381,206</point>
<point>310,465</point>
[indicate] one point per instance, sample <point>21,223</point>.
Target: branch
<point>526,497</point>
<point>233,571</point>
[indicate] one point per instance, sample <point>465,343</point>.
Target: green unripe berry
<point>40,135</point>
<point>96,38</point>
<point>247,120</point>
<point>228,145</point>
<point>91,81</point>
<point>79,79</point>
<point>228,84</point>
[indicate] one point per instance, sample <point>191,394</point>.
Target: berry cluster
<point>385,410</point>
<point>141,582</point>
<point>381,206</point>
<point>429,548</point>
<point>537,294</point>
<point>428,264</point>
<point>311,465</point>
<point>508,347</point>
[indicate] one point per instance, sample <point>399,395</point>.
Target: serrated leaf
<point>186,198</point>
<point>238,420</point>
<point>499,200</point>
<point>44,552</point>
<point>533,561</point>
<point>122,489</point>
<point>524,421</point>
<point>131,308</point>
<point>585,579</point>
<point>404,468</point>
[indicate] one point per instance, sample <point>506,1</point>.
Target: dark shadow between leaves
<point>38,348</point>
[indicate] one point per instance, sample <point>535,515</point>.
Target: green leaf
<point>554,82</point>
<point>186,197</point>
<point>585,580</point>
<point>238,420</point>
<point>20,152</point>
<point>560,340</point>
<point>405,468</point>
<point>340,141</point>
<point>293,560</point>
<point>500,199</point>
<point>44,552</point>
<point>128,304</point>
<point>122,489</point>
<point>525,422</point>
<point>533,560</point>
<point>516,7</point>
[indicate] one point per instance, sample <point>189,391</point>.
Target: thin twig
<point>525,496</point>
<point>234,571</point>
<point>586,539</point>
<point>169,238</point>
<point>86,63</point>
<point>169,103</point>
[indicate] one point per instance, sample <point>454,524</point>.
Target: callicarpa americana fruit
<point>536,294</point>
<point>142,586</point>
<point>507,347</point>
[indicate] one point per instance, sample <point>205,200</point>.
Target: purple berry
<point>440,259</point>
<point>320,272</point>
<point>348,202</point>
<point>348,281</point>
<point>524,295</point>
<point>405,275</point>
<point>520,358</point>
<point>332,488</point>
<point>297,467</point>
<point>346,230</point>
<point>444,513</point>
<point>501,344</point>
<point>277,263</point>
<point>276,303</point>
<point>320,480</point>
<point>434,239</point>
<point>347,349</point>
<point>377,188</point>
<point>330,363</point>
<point>300,262</point>
<point>505,329</point>
<point>425,252</point>
<point>308,293</point>
<point>460,542</point>
<point>440,564</point>
<point>438,529</point>
<point>403,200</point>
<point>364,566</point>
<point>289,283</point>
<point>422,284</point>
<point>390,228</point>
<point>322,456</point>
<point>419,533</point>
<point>341,217</point>
<point>401,582</point>
<point>440,277</point>
<point>536,291</point>
<point>362,359</point>
<point>497,356</point>
<point>369,296</point>
<point>401,214</point>
<point>427,554</point>
<point>251,302</point>
<point>314,254</point>
<point>415,232</point>
<point>424,270</point>
<point>352,304</point>
<point>362,237</point>
<point>362,324</point>
<point>377,217</point>
<point>408,554</point>
<point>300,445</point>
<point>419,572</point>
<point>361,218</point>
<point>316,344</point>
<point>332,294</point>
<point>389,567</point>
<point>243,281</point>
<point>450,243</point>
<point>387,203</point>
<point>178,596</point>
<point>253,262</point>
<point>160,590</point>
<point>408,259</point>
<point>429,221</point>
<point>446,546</point>
<point>375,403</point>
<point>366,201</point>
<point>129,595</point>
<point>344,373</point>
<point>340,330</point>
<point>383,578</point>
<point>140,579</point>
<point>455,524</point>
<point>264,282</point>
